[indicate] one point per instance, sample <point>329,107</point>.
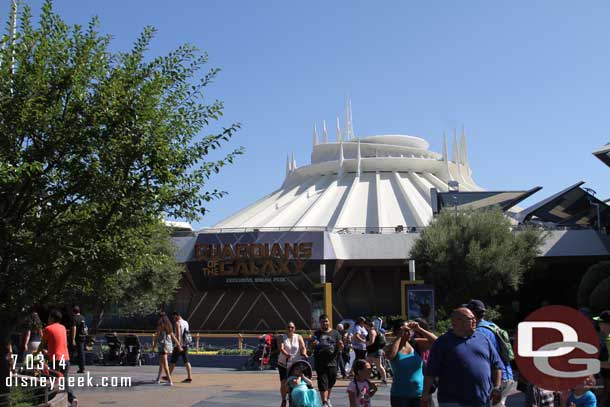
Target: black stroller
<point>116,351</point>
<point>133,351</point>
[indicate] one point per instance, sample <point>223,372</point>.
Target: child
<point>360,390</point>
<point>580,396</point>
<point>300,387</point>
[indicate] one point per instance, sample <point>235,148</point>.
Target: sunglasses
<point>290,327</point>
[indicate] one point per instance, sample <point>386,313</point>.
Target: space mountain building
<point>348,218</point>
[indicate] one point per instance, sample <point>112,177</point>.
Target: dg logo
<point>556,348</point>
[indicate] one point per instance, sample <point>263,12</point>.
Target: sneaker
<point>187,380</point>
<point>328,404</point>
<point>325,404</point>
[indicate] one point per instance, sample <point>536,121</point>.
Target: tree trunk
<point>98,314</point>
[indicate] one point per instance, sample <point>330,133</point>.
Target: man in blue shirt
<point>487,328</point>
<point>468,368</point>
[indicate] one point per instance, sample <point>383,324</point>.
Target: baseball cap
<point>475,306</point>
<point>603,317</point>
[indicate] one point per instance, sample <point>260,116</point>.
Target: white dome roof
<point>374,183</point>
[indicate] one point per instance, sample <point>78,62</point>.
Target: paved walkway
<point>210,388</point>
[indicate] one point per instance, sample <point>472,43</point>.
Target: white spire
<point>351,120</point>
<point>456,150</point>
<point>359,158</point>
<point>463,149</point>
<point>315,135</point>
<point>339,138</point>
<point>288,164</point>
<point>294,163</point>
<point>346,121</point>
<point>446,157</point>
<point>341,159</point>
<point>324,133</point>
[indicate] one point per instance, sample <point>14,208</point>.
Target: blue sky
<point>529,81</point>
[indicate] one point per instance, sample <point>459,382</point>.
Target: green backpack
<point>504,345</point>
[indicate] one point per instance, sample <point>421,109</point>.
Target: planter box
<point>221,361</point>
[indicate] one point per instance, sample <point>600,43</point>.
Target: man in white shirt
<point>181,328</point>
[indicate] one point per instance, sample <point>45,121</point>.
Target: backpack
<point>187,338</point>
<point>81,328</point>
<point>379,343</point>
<point>505,348</point>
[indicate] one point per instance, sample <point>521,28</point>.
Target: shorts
<point>327,377</point>
<point>283,372</point>
<point>360,353</point>
<point>176,354</point>
<point>375,354</point>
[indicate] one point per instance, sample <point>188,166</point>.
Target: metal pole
<point>411,270</point>
<point>599,221</point>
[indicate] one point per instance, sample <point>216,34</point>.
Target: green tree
<point>92,144</point>
<point>474,254</point>
<point>136,270</point>
<point>594,287</point>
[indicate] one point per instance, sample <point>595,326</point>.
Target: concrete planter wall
<point>220,361</point>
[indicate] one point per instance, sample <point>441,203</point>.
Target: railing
<point>342,231</point>
<point>197,336</point>
<point>369,230</point>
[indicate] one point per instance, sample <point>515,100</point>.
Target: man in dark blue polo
<point>487,328</point>
<point>468,368</point>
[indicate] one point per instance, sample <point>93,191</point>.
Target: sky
<point>529,81</point>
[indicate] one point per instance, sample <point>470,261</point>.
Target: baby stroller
<point>302,394</point>
<point>116,351</point>
<point>133,351</point>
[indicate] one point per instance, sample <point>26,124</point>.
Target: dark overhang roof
<point>571,206</point>
<point>482,199</point>
<point>603,153</point>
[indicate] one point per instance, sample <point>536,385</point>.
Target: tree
<point>136,270</point>
<point>92,144</point>
<point>474,254</point>
<point>594,287</point>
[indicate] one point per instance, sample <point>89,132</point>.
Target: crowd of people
<point>468,366</point>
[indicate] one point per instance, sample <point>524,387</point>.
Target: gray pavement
<point>210,388</point>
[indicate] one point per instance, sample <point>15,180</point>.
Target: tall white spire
<point>341,170</point>
<point>446,157</point>
<point>456,150</point>
<point>339,138</point>
<point>359,158</point>
<point>288,164</point>
<point>463,149</point>
<point>294,163</point>
<point>346,121</point>
<point>315,135</point>
<point>324,133</point>
<point>351,121</point>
